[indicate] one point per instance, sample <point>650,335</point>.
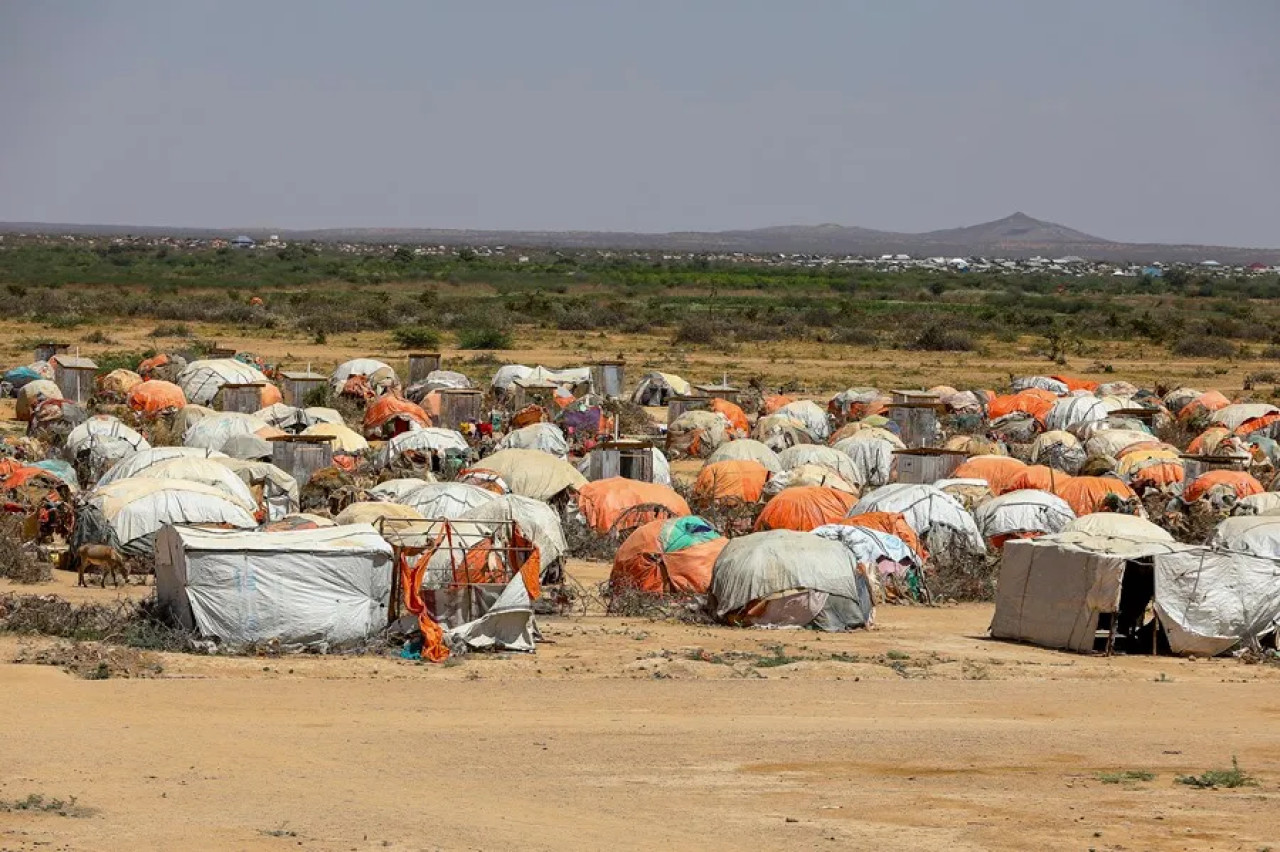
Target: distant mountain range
<point>1016,236</point>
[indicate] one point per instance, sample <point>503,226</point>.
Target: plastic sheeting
<point>747,449</point>
<point>102,427</point>
<point>532,473</point>
<point>1023,512</point>
<point>545,437</point>
<point>137,464</point>
<point>926,509</point>
<point>330,585</point>
<point>836,460</point>
<point>201,380</point>
<point>139,507</point>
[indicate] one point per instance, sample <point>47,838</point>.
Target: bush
<point>173,329</point>
<point>939,338</point>
<point>484,338</point>
<point>1198,346</point>
<point>417,337</point>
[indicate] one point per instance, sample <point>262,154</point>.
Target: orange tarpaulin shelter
<point>394,413</point>
<point>604,502</point>
<point>998,471</point>
<point>773,402</point>
<point>150,365</point>
<point>893,523</point>
<point>1206,443</point>
<point>1032,401</point>
<point>669,556</point>
<point>736,416</point>
<point>1237,480</point>
<point>733,480</point>
<point>154,396</point>
<point>1075,383</point>
<point>1256,424</point>
<point>804,508</point>
<point>1038,477</point>
<point>1089,494</point>
<point>1159,474</point>
<point>1203,405</point>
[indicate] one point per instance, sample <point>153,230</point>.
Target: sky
<point>1142,120</point>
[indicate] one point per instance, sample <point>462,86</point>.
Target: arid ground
<point>626,733</point>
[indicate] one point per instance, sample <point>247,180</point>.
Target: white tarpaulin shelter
<point>1052,592</point>
<point>201,380</point>
<point>545,437</point>
<point>1042,383</point>
<point>747,449</point>
<point>1234,416</point>
<point>428,440</point>
<point>871,454</point>
<point>211,433</point>
<point>136,464</point>
<point>658,388</point>
<point>820,454</point>
<point>928,511</point>
<point>136,508</point>
<point>329,585</point>
<point>278,489</point>
<point>101,428</point>
<point>1256,535</point>
<point>812,415</point>
<point>1023,511</point>
<point>1074,411</point>
<point>379,374</point>
<point>792,578</point>
<point>532,473</point>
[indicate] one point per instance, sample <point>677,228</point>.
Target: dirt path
<point>627,733</point>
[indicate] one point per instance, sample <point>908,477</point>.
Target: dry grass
<point>18,562</point>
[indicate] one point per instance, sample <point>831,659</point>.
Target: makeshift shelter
<point>664,557</point>
<point>1258,504</point>
<point>129,512</point>
<point>1178,398</point>
<point>996,471</point>
<point>325,586</point>
<point>368,512</point>
<point>618,505</point>
<point>1073,412</point>
<point>444,500</point>
<point>697,434</point>
<point>395,490</point>
<point>274,490</point>
<point>291,419</point>
<point>1113,442</point>
<point>804,508</point>
<point>809,474</point>
<point>155,396</point>
<point>1081,593</point>
<point>1044,383</point>
<point>746,449</point>
<point>739,426</point>
<point>656,389</point>
<point>783,578</point>
<point>1221,486</point>
<point>1089,494</point>
<point>200,381</point>
<point>377,375</point>
<point>1022,514</point>
<point>138,463</point>
<point>1038,477</point>
<point>838,462</point>
<point>1238,414</point>
<point>533,474</point>
<point>891,523</point>
<point>211,433</point>
<point>536,521</point>
<point>207,472</point>
<point>933,514</point>
<point>345,440</point>
<point>421,448</point>
<point>779,431</point>
<point>1036,403</point>
<point>729,482</point>
<point>544,437</point>
<point>892,569</point>
<point>392,414</point>
<point>248,447</point>
<point>1058,449</point>
<point>812,415</point>
<point>856,403</point>
<point>871,451</point>
<point>1105,525</point>
<point>100,428</point>
<point>1202,407</point>
<point>119,382</point>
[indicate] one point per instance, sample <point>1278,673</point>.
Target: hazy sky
<point>1130,119</point>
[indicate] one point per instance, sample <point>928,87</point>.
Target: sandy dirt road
<point>631,734</point>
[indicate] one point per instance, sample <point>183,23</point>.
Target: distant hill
<point>1016,236</point>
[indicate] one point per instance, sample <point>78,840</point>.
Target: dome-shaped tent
<point>672,556</point>
<point>200,381</point>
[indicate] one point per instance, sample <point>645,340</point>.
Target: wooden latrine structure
<point>625,457</point>
<point>75,376</point>
<point>917,422</point>
<point>423,364</point>
<point>295,385</point>
<point>460,405</point>
<point>608,379</point>
<point>45,351</point>
<point>453,570</point>
<point>241,398</point>
<point>1194,466</point>
<point>301,456</point>
<point>926,465</point>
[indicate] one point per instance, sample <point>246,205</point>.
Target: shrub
<point>417,337</point>
<point>172,329</point>
<point>938,338</point>
<point>1198,346</point>
<point>484,337</point>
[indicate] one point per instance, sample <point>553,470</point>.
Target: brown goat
<point>105,559</point>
